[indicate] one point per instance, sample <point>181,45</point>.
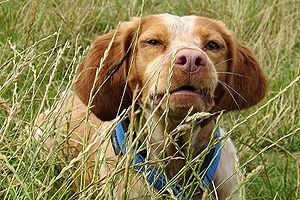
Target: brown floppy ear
<point>245,82</point>
<point>102,74</point>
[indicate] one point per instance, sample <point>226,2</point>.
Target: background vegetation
<point>43,41</point>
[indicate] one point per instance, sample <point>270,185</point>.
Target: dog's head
<point>174,62</point>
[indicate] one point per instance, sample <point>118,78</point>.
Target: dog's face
<point>179,56</point>
<point>174,62</point>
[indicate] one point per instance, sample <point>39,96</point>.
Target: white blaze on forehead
<point>182,29</point>
<point>180,25</point>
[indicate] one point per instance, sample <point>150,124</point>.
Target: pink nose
<point>190,60</point>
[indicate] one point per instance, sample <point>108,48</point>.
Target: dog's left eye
<point>153,42</point>
<point>212,46</point>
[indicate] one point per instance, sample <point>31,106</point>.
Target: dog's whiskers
<point>227,88</point>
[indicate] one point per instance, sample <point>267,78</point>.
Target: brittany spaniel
<point>155,87</point>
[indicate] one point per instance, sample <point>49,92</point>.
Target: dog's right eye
<point>153,42</point>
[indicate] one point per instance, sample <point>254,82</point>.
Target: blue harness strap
<point>156,178</point>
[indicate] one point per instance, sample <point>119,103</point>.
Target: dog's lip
<point>205,93</point>
<point>191,89</point>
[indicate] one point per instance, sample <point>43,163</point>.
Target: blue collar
<point>156,178</point>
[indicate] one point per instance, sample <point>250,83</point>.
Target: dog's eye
<point>212,46</point>
<point>153,42</point>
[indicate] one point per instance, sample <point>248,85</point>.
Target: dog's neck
<point>173,141</point>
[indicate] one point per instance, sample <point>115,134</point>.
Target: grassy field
<point>43,41</point>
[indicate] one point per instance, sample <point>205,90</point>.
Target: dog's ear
<point>101,77</point>
<point>245,83</point>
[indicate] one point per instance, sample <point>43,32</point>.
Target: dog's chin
<point>180,102</point>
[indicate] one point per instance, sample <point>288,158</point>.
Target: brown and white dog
<point>168,66</point>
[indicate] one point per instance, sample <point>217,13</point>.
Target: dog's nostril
<point>198,61</point>
<point>181,61</point>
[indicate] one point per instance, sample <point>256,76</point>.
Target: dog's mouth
<point>188,90</point>
<point>192,89</point>
<point>189,93</point>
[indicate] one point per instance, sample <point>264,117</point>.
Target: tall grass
<point>42,43</point>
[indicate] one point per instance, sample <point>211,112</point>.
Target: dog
<point>149,94</point>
